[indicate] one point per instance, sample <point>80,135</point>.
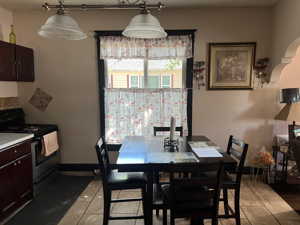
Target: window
<point>142,83</point>
<point>134,73</point>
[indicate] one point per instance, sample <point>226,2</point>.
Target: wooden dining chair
<point>232,180</point>
<point>114,180</point>
<point>193,197</point>
<point>167,129</point>
<point>156,175</point>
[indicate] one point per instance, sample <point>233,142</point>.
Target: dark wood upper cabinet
<point>25,65</point>
<point>7,62</point>
<point>16,63</point>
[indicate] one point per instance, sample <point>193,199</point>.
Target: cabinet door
<point>8,195</point>
<point>7,62</point>
<point>23,177</point>
<point>25,64</point>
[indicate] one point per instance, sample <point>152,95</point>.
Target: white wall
<point>68,71</point>
<point>7,89</point>
<point>285,31</point>
<point>286,27</point>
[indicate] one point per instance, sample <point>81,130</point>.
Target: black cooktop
<point>37,129</point>
<point>13,121</point>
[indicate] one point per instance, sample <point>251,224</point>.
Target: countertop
<point>9,139</point>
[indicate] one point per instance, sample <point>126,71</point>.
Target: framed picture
<point>230,66</point>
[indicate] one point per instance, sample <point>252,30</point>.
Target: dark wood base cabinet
<point>16,186</point>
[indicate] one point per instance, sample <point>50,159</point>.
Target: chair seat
<point>228,181</point>
<point>190,200</point>
<point>126,180</point>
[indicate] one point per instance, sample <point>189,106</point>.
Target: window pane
<point>166,82</point>
<point>134,81</point>
<point>169,68</point>
<point>153,82</point>
<point>120,72</point>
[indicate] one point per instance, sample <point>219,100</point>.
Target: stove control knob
<point>19,162</point>
<point>15,164</point>
<point>16,151</point>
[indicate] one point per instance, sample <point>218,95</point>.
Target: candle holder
<point>171,145</point>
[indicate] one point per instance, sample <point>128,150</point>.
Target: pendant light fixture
<point>144,25</point>
<point>61,26</point>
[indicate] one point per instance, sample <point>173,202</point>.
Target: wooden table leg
<point>149,205</point>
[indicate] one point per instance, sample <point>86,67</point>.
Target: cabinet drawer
<point>14,152</point>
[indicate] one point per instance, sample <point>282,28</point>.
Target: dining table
<point>152,155</point>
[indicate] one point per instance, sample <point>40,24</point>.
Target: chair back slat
<point>167,129</point>
<point>236,153</point>
<point>238,149</point>
<point>103,159</point>
<point>204,188</point>
<point>237,142</point>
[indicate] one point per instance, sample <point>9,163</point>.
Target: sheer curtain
<point>136,111</point>
<point>127,48</point>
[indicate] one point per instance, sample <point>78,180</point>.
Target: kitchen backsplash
<point>9,103</point>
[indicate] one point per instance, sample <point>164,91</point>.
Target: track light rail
<point>63,6</point>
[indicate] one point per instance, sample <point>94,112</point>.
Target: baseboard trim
<point>78,167</point>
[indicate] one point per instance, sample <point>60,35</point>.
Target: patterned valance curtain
<point>119,47</point>
<point>134,112</point>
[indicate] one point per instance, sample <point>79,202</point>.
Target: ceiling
<point>36,4</point>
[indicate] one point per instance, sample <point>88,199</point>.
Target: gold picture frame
<point>230,66</point>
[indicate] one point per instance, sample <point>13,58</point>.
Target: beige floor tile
<point>121,222</point>
<point>259,216</point>
<point>130,194</point>
<point>91,219</point>
<point>96,206</point>
<point>91,190</point>
<point>125,207</point>
<point>232,222</point>
<point>260,205</point>
<point>75,213</point>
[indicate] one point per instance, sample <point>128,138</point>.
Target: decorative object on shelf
<point>263,159</point>
<point>230,66</point>
<point>261,71</point>
<point>40,99</point>
<point>262,162</point>
<point>12,35</point>
<point>199,73</point>
<point>143,25</point>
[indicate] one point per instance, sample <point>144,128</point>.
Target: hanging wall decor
<point>231,66</point>
<point>40,100</point>
<point>199,73</point>
<point>261,71</point>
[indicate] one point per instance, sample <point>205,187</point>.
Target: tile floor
<point>260,205</point>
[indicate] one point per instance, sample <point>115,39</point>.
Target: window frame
<point>102,78</point>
